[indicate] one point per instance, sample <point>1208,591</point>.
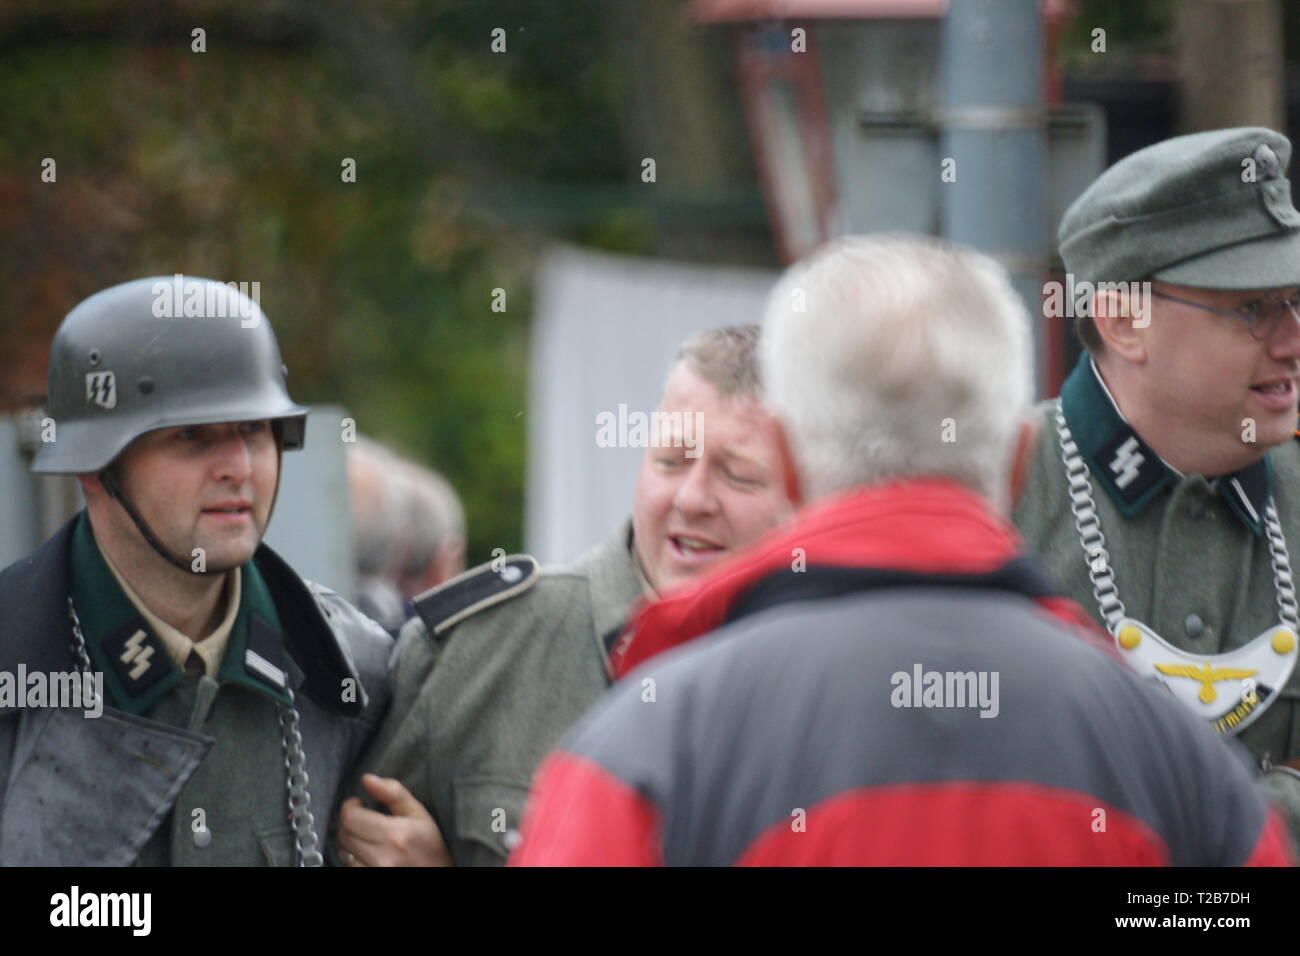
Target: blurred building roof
<point>716,11</point>
<point>712,11</point>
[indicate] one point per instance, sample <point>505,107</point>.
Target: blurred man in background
<point>409,530</point>
<point>433,536</point>
<point>376,502</point>
<point>500,662</point>
<point>896,684</point>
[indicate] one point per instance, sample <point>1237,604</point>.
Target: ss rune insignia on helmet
<point>101,389</point>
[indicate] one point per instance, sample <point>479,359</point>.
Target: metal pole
<point>993,137</point>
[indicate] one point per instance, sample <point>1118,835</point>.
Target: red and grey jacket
<point>894,685</point>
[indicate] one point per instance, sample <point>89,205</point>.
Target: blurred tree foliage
<point>1147,26</point>
<point>227,163</point>
<point>1132,27</point>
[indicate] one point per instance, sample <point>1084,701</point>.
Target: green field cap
<point>1211,210</point>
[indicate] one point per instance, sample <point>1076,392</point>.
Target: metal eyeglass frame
<point>1249,313</point>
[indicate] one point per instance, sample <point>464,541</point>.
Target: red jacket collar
<point>926,526</point>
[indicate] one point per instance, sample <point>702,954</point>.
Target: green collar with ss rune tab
<point>1134,475</point>
<point>138,671</point>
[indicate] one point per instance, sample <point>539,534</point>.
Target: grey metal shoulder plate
<point>501,579</point>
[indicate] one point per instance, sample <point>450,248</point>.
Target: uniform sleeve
<point>397,749</point>
<point>580,814</point>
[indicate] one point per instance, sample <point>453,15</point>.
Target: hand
<point>405,836</point>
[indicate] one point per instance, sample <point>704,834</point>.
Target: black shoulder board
<point>448,604</point>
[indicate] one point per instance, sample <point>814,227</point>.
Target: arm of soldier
<point>394,750</point>
<point>405,836</point>
<point>435,718</point>
<point>396,754</point>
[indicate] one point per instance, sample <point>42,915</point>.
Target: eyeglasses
<point>1261,316</point>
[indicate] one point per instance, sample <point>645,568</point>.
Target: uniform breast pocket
<point>277,845</point>
<point>488,814</point>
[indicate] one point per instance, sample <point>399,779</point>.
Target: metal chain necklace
<point>295,761</point>
<point>1093,541</point>
<point>295,765</point>
<point>1130,633</point>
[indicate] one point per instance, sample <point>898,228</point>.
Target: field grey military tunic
<point>497,666</point>
<point>1191,562</point>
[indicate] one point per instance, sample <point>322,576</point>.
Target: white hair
<point>378,505</point>
<point>892,357</point>
<point>434,517</point>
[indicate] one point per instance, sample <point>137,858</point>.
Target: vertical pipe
<point>993,128</point>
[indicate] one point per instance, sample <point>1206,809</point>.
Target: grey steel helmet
<point>160,353</point>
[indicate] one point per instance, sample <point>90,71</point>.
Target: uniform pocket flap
<point>488,813</point>
<point>278,846</point>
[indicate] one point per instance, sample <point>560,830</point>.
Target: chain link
<point>1088,526</point>
<point>79,645</point>
<point>295,761</point>
<point>295,764</point>
<point>1281,561</point>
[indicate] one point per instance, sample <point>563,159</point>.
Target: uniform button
<point>512,838</point>
<point>202,837</point>
<point>1195,626</point>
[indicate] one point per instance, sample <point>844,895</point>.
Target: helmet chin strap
<point>114,491</point>
<point>107,479</point>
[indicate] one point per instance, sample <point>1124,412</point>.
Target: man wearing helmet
<point>237,694</point>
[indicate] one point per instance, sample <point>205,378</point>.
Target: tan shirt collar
<point>208,651</point>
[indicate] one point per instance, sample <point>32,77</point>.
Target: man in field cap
<point>1165,492</point>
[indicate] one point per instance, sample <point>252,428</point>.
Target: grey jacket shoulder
<point>1045,494</point>
<point>528,609</point>
<point>545,608</point>
<point>478,705</point>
